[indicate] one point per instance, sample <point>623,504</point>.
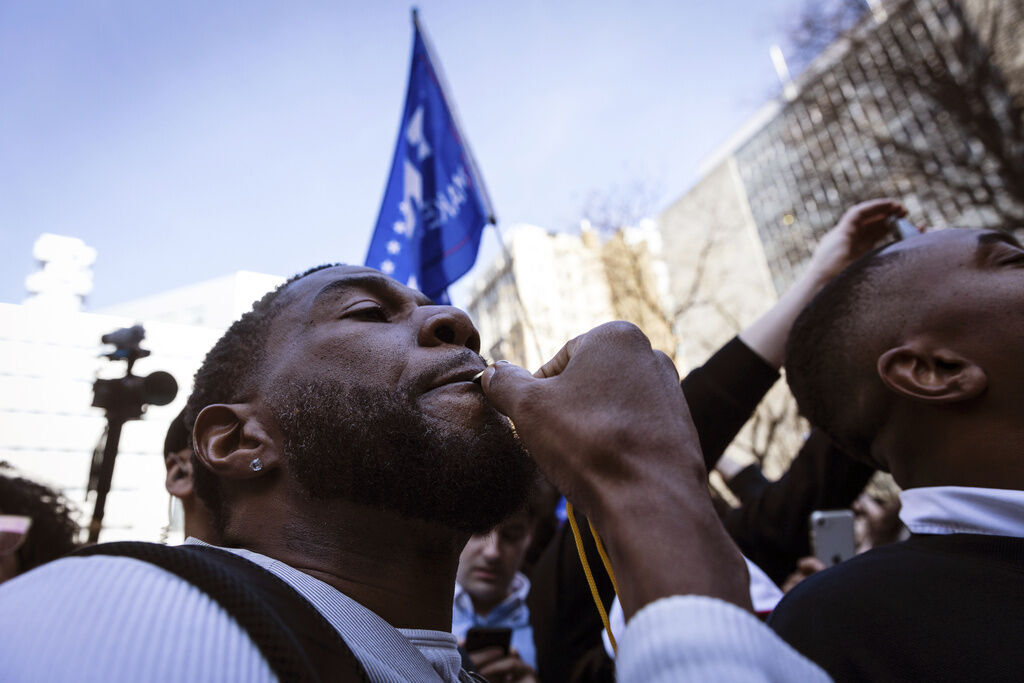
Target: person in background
<point>36,525</point>
<point>771,527</point>
<point>491,592</point>
<point>181,484</point>
<point>910,360</point>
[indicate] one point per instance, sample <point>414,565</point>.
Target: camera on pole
<point>124,398</point>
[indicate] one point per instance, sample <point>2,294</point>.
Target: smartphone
<point>832,535</point>
<point>479,638</point>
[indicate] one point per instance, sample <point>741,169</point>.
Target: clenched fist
<point>607,422</point>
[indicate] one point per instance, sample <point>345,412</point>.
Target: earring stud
<point>256,465</point>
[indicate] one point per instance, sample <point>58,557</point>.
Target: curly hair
<point>228,375</point>
<point>828,361</point>
<point>54,532</point>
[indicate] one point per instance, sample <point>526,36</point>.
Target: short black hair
<point>829,347</point>
<point>228,375</point>
<point>54,531</point>
<point>178,437</point>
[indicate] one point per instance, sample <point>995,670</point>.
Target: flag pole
<point>442,82</point>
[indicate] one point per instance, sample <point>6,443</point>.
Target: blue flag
<point>435,205</point>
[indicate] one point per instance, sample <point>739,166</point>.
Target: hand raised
<point>607,422</point>
<point>605,413</point>
<point>859,229</point>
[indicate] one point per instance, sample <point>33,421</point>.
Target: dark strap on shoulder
<point>298,643</point>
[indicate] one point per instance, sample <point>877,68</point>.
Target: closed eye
<point>368,312</point>
<point>1015,260</point>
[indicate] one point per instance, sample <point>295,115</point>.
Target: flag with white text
<point>435,205</point>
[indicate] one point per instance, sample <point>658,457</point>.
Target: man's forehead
<point>338,278</point>
<point>317,279</point>
<point>952,239</point>
<point>926,258</point>
<point>300,298</point>
<point>947,248</point>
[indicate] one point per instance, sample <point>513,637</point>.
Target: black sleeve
<point>771,528</point>
<point>723,393</point>
<point>749,483</point>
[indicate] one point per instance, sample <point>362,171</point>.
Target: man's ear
<point>931,374</point>
<point>228,438</point>
<point>179,473</point>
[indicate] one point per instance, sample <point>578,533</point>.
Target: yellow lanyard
<point>590,576</point>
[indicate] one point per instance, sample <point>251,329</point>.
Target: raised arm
<point>858,230</point>
<point>724,392</point>
<point>607,423</point>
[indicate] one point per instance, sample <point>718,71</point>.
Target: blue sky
<point>188,140</point>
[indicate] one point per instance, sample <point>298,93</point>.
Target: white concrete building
<point>547,288</point>
<point>211,303</point>
<point>49,358</point>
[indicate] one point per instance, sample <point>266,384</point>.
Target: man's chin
<point>446,456</point>
<point>462,403</point>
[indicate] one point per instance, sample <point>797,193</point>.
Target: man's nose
<point>449,325</point>
<point>490,547</point>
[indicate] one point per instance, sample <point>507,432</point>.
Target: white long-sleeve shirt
<point>764,596</point>
<point>119,619</point>
<point>696,638</point>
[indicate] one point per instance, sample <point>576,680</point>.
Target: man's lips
<point>465,375</point>
<point>484,574</point>
<point>447,369</point>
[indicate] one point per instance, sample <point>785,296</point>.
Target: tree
<point>816,25</point>
<point>969,93</point>
<point>774,432</point>
<point>936,113</point>
<point>720,284</point>
<point>617,220</point>
<point>621,206</point>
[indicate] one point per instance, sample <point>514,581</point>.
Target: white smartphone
<point>832,535</point>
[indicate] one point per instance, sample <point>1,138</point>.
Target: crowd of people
<point>359,506</point>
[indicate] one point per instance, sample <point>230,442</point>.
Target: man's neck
<point>957,455</point>
<point>484,607</point>
<point>197,522</point>
<point>402,570</point>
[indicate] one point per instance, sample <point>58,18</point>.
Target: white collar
<point>963,510</point>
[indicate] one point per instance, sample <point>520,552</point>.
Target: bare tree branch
<point>816,25</point>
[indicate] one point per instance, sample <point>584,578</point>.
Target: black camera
<point>124,399</point>
<point>127,395</point>
<point>126,343</point>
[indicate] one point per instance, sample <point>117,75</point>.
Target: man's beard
<point>374,447</point>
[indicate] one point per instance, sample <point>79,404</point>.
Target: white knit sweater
<point>695,638</point>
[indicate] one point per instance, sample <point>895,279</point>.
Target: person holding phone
<point>490,616</point>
